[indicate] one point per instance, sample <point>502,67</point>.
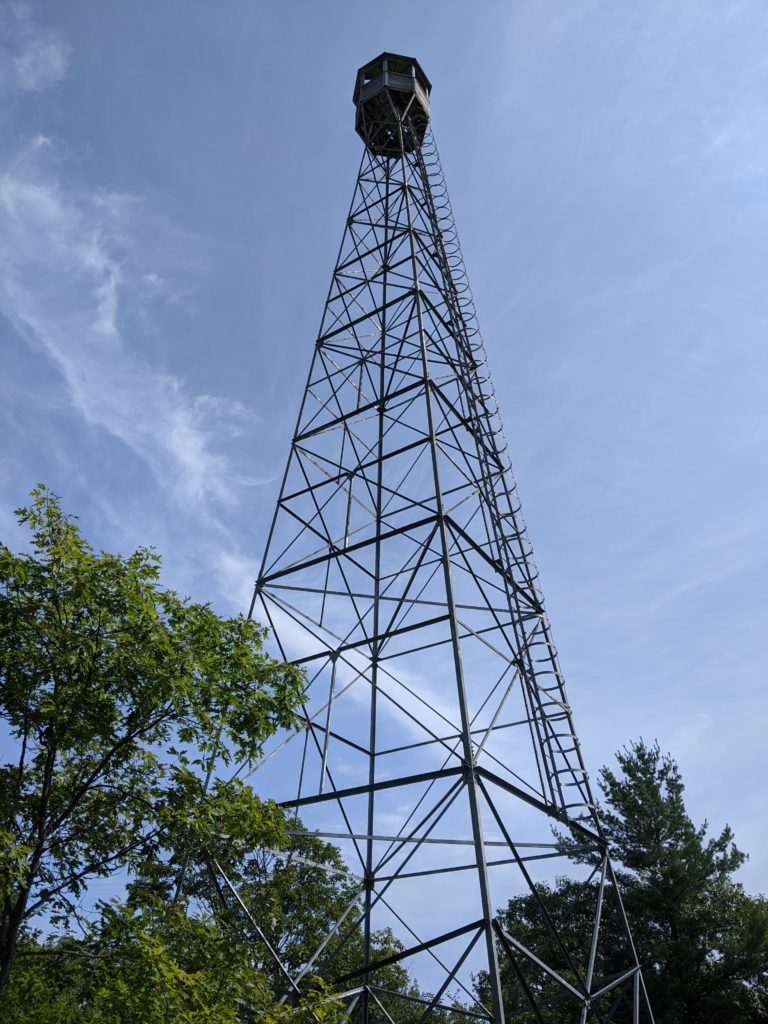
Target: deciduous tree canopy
<point>117,697</point>
<point>124,709</point>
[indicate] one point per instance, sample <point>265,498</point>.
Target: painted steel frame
<point>398,453</point>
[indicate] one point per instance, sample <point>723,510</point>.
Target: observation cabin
<point>392,100</point>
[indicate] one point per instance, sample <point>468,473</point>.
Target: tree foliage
<point>701,940</point>
<point>121,706</point>
<point>101,672</point>
<point>120,702</point>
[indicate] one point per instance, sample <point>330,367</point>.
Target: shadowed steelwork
<point>438,747</point>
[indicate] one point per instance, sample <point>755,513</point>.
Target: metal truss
<point>437,748</point>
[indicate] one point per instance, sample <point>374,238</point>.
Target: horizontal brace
<point>358,471</point>
<point>373,639</point>
<point>495,564</point>
<point>430,872</point>
<point>341,552</point>
<point>391,597</point>
<point>358,411</point>
<point>616,982</point>
<point>376,965</point>
<point>453,737</point>
<point>468,423</point>
<point>552,810</point>
<point>343,277</point>
<point>449,329</point>
<point>291,856</point>
<point>418,840</point>
<point>359,256</point>
<point>426,1002</point>
<point>343,794</point>
<point>366,316</point>
<point>318,727</point>
<point>507,940</point>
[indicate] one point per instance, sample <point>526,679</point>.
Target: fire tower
<point>438,748</point>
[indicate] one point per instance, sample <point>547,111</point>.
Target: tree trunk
<point>13,916</point>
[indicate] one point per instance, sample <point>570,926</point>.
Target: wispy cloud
<point>64,275</point>
<point>31,58</point>
<point>72,275</point>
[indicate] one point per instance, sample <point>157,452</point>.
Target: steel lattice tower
<point>438,747</point>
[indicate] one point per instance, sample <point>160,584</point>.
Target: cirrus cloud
<point>65,272</point>
<point>31,58</point>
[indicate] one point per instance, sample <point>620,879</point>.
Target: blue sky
<point>174,180</point>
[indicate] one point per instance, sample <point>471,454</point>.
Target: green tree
<point>701,940</point>
<point>300,901</point>
<point>101,672</point>
<point>154,964</point>
<point>121,703</point>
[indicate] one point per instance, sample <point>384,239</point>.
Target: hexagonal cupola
<point>392,100</point>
